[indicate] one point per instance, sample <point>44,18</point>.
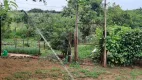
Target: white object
<point>94,50</point>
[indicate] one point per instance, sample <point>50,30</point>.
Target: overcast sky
<point>59,4</point>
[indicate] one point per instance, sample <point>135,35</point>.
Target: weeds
<point>75,65</point>
<point>22,75</point>
<point>135,73</point>
<point>92,74</point>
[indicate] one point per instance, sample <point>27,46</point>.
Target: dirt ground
<point>43,69</point>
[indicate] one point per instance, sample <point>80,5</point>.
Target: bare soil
<point>42,69</point>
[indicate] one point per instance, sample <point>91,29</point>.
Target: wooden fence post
<point>15,42</point>
<point>23,43</point>
<point>105,34</point>
<point>76,36</point>
<point>39,46</point>
<point>44,45</point>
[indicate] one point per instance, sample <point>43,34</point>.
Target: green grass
<point>20,50</point>
<point>39,71</point>
<point>19,76</point>
<point>85,51</point>
<point>92,74</point>
<point>134,73</point>
<point>22,75</point>
<point>55,69</point>
<point>75,65</point>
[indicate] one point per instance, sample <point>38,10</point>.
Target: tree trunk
<point>76,37</point>
<point>69,51</point>
<point>0,36</point>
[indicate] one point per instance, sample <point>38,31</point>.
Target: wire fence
<point>24,43</point>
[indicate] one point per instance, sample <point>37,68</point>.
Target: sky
<point>59,4</point>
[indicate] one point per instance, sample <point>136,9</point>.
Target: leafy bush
<point>26,50</point>
<point>124,45</point>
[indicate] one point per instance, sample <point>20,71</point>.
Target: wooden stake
<point>44,45</point>
<point>23,43</point>
<point>0,36</point>
<point>105,34</point>
<point>76,37</point>
<point>39,46</point>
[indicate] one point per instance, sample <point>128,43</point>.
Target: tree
<point>136,17</point>
<point>118,17</point>
<point>36,10</point>
<point>8,4</point>
<point>90,11</point>
<point>57,30</point>
<point>3,11</point>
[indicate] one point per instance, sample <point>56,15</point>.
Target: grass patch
<point>41,71</point>
<point>134,73</point>
<point>22,75</point>
<point>91,74</point>
<point>85,51</point>
<point>122,77</point>
<point>26,50</point>
<point>48,52</point>
<point>55,69</point>
<point>75,65</point>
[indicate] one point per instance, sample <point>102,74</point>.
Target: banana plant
<point>6,6</point>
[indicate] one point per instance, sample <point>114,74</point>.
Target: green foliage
<point>75,65</point>
<point>87,73</point>
<point>7,6</point>
<point>98,42</point>
<point>26,50</point>
<point>84,51</point>
<point>22,75</point>
<point>124,46</point>
<point>135,73</point>
<point>59,31</point>
<point>35,10</point>
<point>5,24</point>
<point>114,36</point>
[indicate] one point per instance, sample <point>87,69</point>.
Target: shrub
<point>124,45</point>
